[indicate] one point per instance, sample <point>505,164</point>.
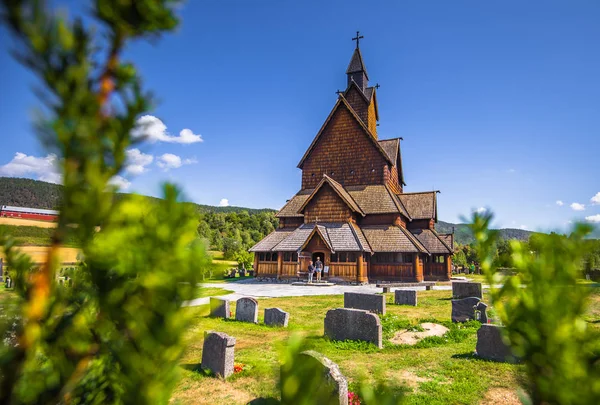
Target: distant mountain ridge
<point>39,194</point>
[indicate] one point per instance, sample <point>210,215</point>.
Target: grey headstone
<point>406,297</point>
<point>461,289</point>
<point>353,324</point>
<point>276,317</point>
<point>246,310</point>
<point>328,386</point>
<point>219,308</point>
<point>464,309</point>
<point>368,302</point>
<point>218,353</point>
<point>491,346</point>
<point>481,314</point>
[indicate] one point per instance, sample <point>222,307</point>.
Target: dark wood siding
<point>327,206</point>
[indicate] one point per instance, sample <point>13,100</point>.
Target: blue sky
<point>498,102</point>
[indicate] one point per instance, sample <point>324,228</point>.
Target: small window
<point>294,257</point>
<point>287,257</point>
<point>334,258</point>
<point>312,175</point>
<point>351,257</point>
<point>351,171</point>
<point>261,257</point>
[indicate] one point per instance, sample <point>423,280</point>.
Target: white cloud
<point>170,161</point>
<point>560,203</point>
<point>577,207</point>
<point>524,227</point>
<point>481,210</point>
<point>121,183</point>
<point>137,161</point>
<point>593,218</point>
<point>224,202</point>
<point>596,199</point>
<point>42,168</point>
<point>154,130</point>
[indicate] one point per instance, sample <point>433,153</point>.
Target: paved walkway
<point>255,289</point>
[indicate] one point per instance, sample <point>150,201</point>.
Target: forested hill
<point>39,194</point>
<point>464,236</point>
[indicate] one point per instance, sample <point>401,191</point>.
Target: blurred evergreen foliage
<point>542,306</point>
<point>115,334</point>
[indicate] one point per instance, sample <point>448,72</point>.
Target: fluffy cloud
<point>594,218</point>
<point>42,168</point>
<point>224,202</point>
<point>137,161</point>
<point>481,210</point>
<point>170,161</point>
<point>560,203</point>
<point>120,182</point>
<point>524,227</point>
<point>154,130</point>
<point>596,199</point>
<point>577,207</point>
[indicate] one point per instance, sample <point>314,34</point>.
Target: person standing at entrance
<point>318,268</point>
<point>311,271</point>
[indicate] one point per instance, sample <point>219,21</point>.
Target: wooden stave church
<point>352,211</point>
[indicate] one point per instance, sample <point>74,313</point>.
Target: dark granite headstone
<point>328,386</point>
<point>218,353</point>
<point>368,302</point>
<point>276,317</point>
<point>246,310</point>
<point>464,309</point>
<point>491,346</point>
<point>480,312</point>
<point>353,324</point>
<point>460,289</point>
<point>219,308</point>
<point>406,297</point>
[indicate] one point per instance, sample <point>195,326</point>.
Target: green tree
<point>114,335</point>
<point>542,307</point>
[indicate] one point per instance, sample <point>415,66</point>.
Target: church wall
<point>344,153</point>
<point>421,224</point>
<point>391,176</point>
<point>327,206</point>
<point>358,103</point>
<point>290,222</point>
<point>383,219</point>
<point>372,118</point>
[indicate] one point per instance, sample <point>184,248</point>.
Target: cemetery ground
<point>435,371</point>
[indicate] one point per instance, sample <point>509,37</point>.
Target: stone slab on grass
<point>353,324</point>
<point>491,346</point>
<point>368,302</point>
<point>405,297</point>
<point>462,289</point>
<point>406,337</point>
<point>246,310</point>
<point>218,353</point>
<point>276,317</point>
<point>219,308</point>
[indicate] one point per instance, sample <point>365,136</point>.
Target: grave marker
<point>461,289</point>
<point>246,310</point>
<point>219,308</point>
<point>491,346</point>
<point>405,297</point>
<point>276,317</point>
<point>353,324</point>
<point>369,302</point>
<point>218,353</point>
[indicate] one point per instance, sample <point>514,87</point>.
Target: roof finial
<point>357,38</point>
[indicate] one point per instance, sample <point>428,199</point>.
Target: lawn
<point>438,371</point>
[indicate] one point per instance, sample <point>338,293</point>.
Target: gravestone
<point>219,308</point>
<point>481,312</point>
<point>328,386</point>
<point>463,290</point>
<point>368,302</point>
<point>218,353</point>
<point>491,346</point>
<point>464,310</point>
<point>276,317</point>
<point>353,324</point>
<point>246,310</point>
<point>406,297</point>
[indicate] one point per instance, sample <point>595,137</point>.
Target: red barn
<point>7,211</point>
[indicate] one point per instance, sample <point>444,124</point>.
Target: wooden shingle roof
<point>356,63</point>
<point>391,147</point>
<point>420,205</point>
<point>384,238</point>
<point>292,207</point>
<point>337,187</point>
<point>272,240</point>
<point>432,242</point>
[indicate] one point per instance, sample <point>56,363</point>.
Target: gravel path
<point>255,289</point>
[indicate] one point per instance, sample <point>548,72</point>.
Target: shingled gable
<point>341,102</point>
<point>392,148</point>
<point>356,64</point>
<point>421,205</point>
<point>368,96</point>
<point>322,234</point>
<point>337,187</point>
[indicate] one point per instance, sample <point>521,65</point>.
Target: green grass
<point>35,236</point>
<point>210,292</point>
<point>438,370</point>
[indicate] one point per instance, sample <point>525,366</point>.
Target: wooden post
<point>418,267</point>
<point>255,264</point>
<point>449,266</point>
<point>361,277</point>
<point>279,264</point>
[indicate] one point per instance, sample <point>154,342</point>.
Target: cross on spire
<point>357,38</point>
<point>377,86</point>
